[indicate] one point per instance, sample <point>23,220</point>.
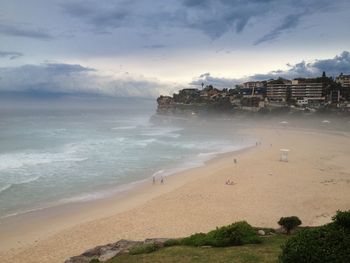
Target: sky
<point>144,48</point>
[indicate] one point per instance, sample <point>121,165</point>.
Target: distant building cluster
<point>299,93</point>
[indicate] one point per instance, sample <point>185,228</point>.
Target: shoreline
<point>28,225</point>
<point>318,172</point>
<point>191,162</point>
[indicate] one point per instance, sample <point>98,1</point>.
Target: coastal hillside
<point>300,95</point>
<point>237,242</point>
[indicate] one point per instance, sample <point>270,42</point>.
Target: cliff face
<point>194,101</point>
<point>165,104</point>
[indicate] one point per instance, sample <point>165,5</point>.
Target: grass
<point>267,251</point>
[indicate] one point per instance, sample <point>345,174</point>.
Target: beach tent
<point>284,155</point>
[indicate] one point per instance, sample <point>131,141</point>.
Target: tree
<point>289,223</point>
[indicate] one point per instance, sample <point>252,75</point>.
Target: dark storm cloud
<point>10,54</point>
<point>289,22</point>
<point>332,67</point>
<point>103,16</point>
<point>213,18</point>
<point>59,78</point>
<point>21,31</point>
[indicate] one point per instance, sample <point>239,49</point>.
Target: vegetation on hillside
<point>289,223</point>
<point>326,244</point>
<point>239,242</point>
<point>265,252</point>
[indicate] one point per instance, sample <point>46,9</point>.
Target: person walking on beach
<point>161,180</point>
<point>153,179</point>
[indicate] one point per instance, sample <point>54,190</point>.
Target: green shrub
<point>342,218</point>
<point>236,234</point>
<point>289,223</point>
<point>143,249</point>
<point>95,260</point>
<point>326,244</point>
<point>172,242</point>
<point>197,240</point>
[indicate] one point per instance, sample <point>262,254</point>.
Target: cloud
<point>301,9</point>
<point>289,22</point>
<point>217,82</point>
<point>10,54</point>
<point>20,31</point>
<point>56,78</point>
<point>332,67</point>
<point>102,17</point>
<point>212,18</point>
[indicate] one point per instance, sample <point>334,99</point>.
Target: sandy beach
<point>312,185</point>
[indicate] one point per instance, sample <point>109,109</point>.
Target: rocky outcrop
<point>106,252</point>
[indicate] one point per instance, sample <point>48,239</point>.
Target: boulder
<point>106,252</point>
<point>261,232</point>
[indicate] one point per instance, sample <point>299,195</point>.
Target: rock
<point>108,255</point>
<point>79,259</point>
<point>106,252</point>
<point>261,232</point>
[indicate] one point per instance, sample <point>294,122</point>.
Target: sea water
<point>51,155</point>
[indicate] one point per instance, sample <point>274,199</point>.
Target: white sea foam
<point>29,180</point>
<point>163,132</point>
<point>21,159</point>
<point>26,181</point>
<point>124,128</point>
<point>4,188</point>
<point>144,143</point>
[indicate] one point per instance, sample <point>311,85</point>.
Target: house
<point>253,89</point>
<point>343,80</point>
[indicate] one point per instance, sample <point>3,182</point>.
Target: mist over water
<point>74,150</point>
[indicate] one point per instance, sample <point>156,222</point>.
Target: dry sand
<point>312,185</point>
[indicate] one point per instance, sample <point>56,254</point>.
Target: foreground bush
<point>342,218</point>
<point>289,223</point>
<point>172,242</point>
<point>236,234</point>
<point>325,244</point>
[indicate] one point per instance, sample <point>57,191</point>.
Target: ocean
<point>87,149</point>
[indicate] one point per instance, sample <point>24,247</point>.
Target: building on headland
<point>306,91</point>
<point>274,95</point>
<point>343,80</point>
<point>254,84</point>
<point>299,91</point>
<point>252,89</point>
<point>276,90</point>
<point>335,96</point>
